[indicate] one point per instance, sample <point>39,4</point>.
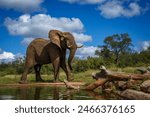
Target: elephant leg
<point>56,65</point>
<point>37,69</point>
<point>66,70</point>
<point>28,64</point>
<point>24,76</point>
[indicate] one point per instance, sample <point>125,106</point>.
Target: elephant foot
<point>23,82</point>
<point>40,80</point>
<point>55,81</point>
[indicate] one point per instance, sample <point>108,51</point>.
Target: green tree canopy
<point>116,44</point>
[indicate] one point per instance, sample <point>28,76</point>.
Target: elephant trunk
<point>71,56</point>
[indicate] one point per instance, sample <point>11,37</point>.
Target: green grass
<point>126,69</point>
<point>78,77</point>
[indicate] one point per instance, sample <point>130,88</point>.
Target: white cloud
<point>27,40</point>
<point>84,1</point>
<point>116,8</point>
<point>22,5</point>
<point>39,25</point>
<point>7,55</point>
<point>145,45</point>
<point>81,38</point>
<point>86,51</point>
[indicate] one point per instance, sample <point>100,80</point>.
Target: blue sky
<point>90,21</point>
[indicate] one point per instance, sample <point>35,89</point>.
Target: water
<point>47,93</point>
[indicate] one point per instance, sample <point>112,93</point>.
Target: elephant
<point>41,51</point>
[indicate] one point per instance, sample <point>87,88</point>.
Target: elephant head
<point>64,40</point>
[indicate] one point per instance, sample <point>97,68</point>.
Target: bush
<point>47,69</point>
<point>3,73</point>
<point>19,69</point>
<point>81,66</point>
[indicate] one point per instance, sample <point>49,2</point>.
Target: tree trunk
<point>124,76</point>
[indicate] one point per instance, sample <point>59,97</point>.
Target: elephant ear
<point>56,36</point>
<point>69,39</point>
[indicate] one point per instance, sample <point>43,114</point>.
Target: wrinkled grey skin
<point>41,51</point>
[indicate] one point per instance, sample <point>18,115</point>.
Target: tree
<point>117,44</point>
<point>145,56</point>
<point>104,52</point>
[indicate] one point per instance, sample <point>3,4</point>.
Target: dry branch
<point>69,86</point>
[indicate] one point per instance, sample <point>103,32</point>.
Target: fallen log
<point>104,73</point>
<point>90,87</point>
<point>135,95</point>
<point>123,76</point>
<point>96,84</point>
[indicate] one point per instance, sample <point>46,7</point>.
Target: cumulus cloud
<point>86,51</point>
<point>145,45</point>
<point>22,5</point>
<point>7,55</point>
<point>39,25</point>
<point>81,38</point>
<point>116,8</point>
<point>83,1</point>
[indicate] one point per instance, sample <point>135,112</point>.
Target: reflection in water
<point>55,93</point>
<point>37,93</point>
<point>6,97</point>
<point>47,93</point>
<point>68,94</point>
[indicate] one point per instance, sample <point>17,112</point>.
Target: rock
<point>145,86</point>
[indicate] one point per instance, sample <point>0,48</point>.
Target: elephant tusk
<point>62,38</point>
<point>70,46</point>
<point>80,46</point>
